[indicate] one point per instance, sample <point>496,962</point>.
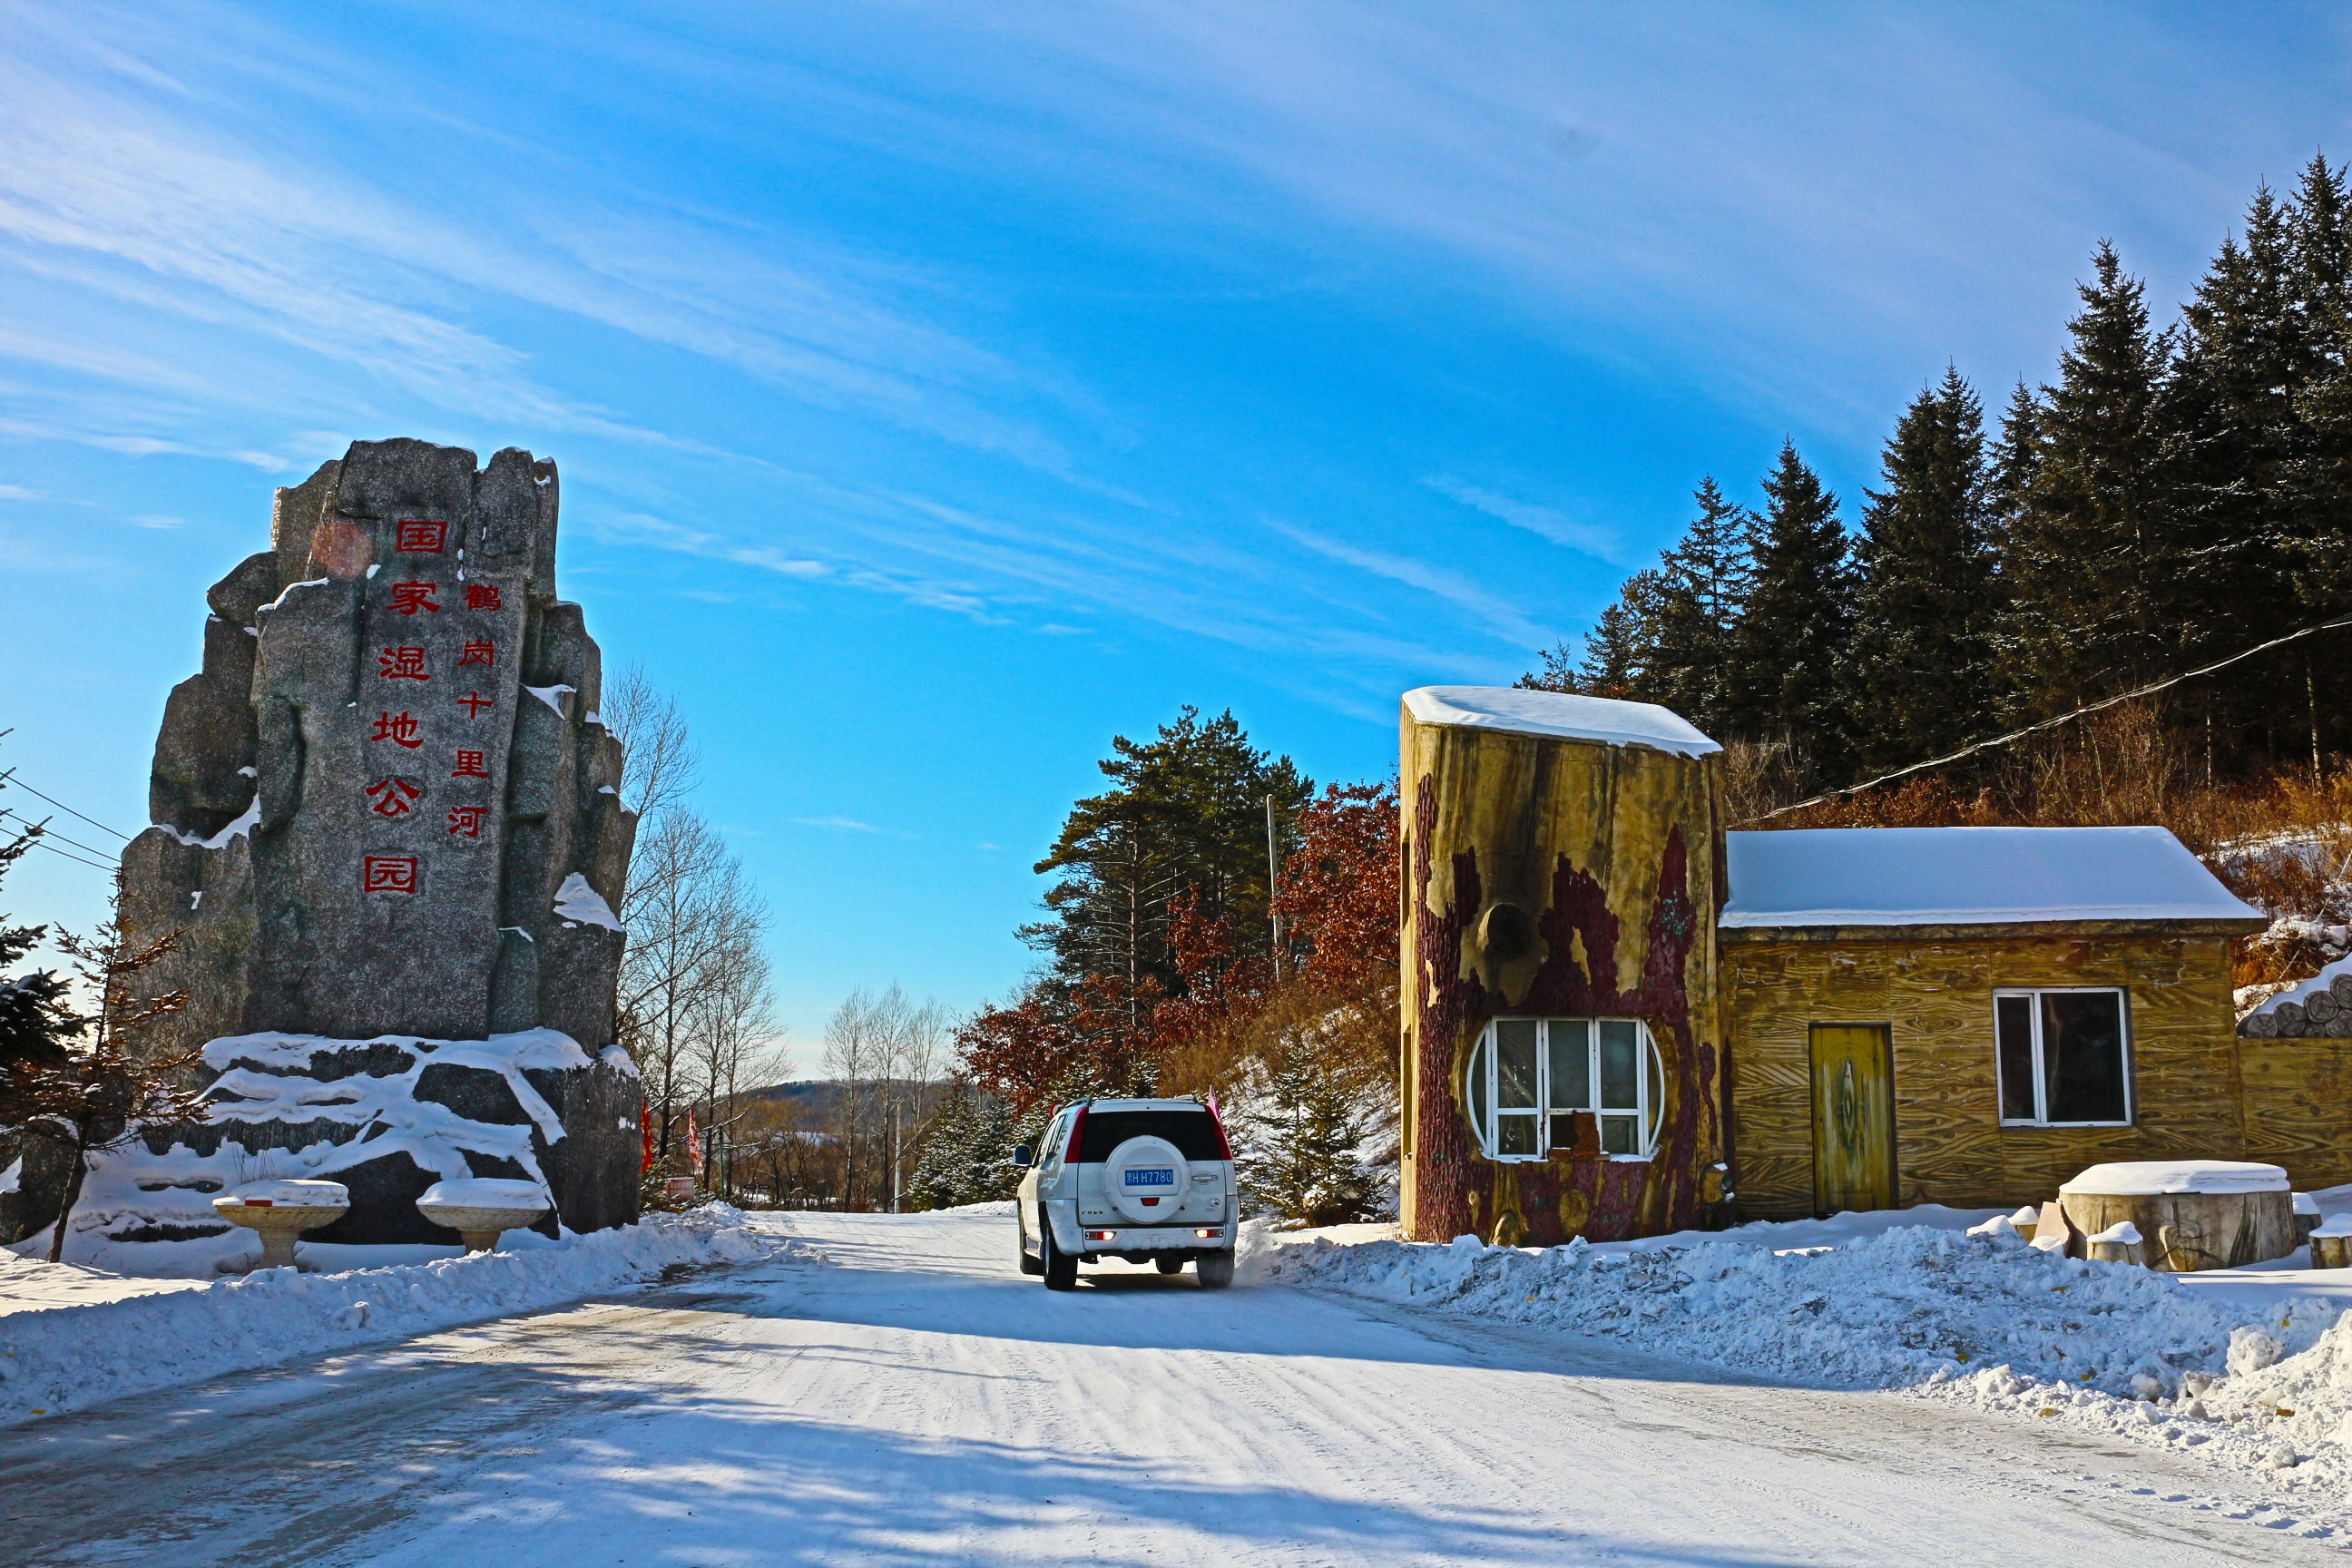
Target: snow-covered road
<point>917,1402</point>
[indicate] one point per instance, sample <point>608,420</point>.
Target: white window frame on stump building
<point>1526,1074</point>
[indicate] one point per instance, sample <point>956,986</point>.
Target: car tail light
<point>1206,1233</point>
<point>1075,1149</point>
<point>1102,1235</point>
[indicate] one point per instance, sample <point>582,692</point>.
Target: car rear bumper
<point>1112,1240</point>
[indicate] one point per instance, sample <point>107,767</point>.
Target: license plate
<point>1159,1178</point>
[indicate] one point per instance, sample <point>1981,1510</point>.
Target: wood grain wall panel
<point>1935,992</point>
<point>2299,1099</point>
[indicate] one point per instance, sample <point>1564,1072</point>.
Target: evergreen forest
<point>2180,491</point>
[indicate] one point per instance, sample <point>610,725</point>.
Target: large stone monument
<point>388,821</point>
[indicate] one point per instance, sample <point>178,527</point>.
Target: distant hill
<point>816,1097</point>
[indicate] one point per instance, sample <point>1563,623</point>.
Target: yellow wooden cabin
<point>1622,1019</point>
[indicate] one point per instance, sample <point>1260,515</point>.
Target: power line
<point>93,865</point>
<point>10,778</point>
<point>1970,750</point>
<point>46,832</point>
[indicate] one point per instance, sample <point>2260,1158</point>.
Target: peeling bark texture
<point>1560,878</point>
<point>368,797</point>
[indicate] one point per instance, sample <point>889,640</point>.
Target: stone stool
<point>482,1208</point>
<point>281,1211</point>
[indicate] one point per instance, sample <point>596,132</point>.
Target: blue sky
<point>940,389</point>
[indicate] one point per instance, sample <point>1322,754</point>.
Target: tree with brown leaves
<point>107,1090</point>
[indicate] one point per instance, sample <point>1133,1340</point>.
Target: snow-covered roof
<point>1967,876</point>
<point>1557,713</point>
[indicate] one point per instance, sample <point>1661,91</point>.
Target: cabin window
<point>1530,1078</point>
<point>2065,1057</point>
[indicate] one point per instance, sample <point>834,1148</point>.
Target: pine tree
<point>1298,1154</point>
<point>1926,601</point>
<point>2229,418</point>
<point>1186,817</point>
<point>1789,650</point>
<point>2092,544</point>
<point>1683,619</point>
<point>1616,660</point>
<point>967,1152</point>
<point>2314,519</point>
<point>37,1023</point>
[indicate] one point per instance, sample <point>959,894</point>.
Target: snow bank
<point>88,1349</point>
<point>1983,1319</point>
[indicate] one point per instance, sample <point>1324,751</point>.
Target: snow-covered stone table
<point>484,1208</point>
<point>281,1211</point>
<point>2193,1214</point>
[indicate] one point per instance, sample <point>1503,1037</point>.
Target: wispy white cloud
<point>157,519</point>
<point>1816,205</point>
<point>18,492</point>
<point>1499,617</point>
<point>123,183</point>
<point>849,825</point>
<point>1543,522</point>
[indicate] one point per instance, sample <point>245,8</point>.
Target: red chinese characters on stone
<point>392,797</point>
<point>388,874</point>
<point>482,596</point>
<point>402,664</point>
<point>399,728</point>
<point>419,536</point>
<point>473,702</point>
<point>408,599</point>
<point>465,821</point>
<point>475,653</point>
<point>469,766</point>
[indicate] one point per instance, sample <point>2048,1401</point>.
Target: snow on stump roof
<point>1967,876</point>
<point>2157,1178</point>
<point>1559,715</point>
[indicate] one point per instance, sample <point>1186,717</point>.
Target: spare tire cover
<point>1146,1179</point>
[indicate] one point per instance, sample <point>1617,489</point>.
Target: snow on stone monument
<point>389,819</point>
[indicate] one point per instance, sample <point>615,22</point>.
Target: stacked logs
<point>2321,1012</point>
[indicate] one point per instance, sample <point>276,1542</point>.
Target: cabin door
<point>1853,1118</point>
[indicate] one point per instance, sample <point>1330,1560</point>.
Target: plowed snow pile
<point>1988,1321</point>
<point>65,1357</point>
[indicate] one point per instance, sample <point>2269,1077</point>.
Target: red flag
<point>645,1125</point>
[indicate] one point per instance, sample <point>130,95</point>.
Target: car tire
<point>1216,1270</point>
<point>1170,1263</point>
<point>1060,1269</point>
<point>1028,1265</point>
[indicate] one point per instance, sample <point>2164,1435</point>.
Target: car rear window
<point>1193,1132</point>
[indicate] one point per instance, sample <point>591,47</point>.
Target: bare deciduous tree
<point>885,1051</point>
<point>695,1005</point>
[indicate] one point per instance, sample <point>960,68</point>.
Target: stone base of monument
<point>386,1119</point>
<point>482,1209</point>
<point>281,1212</point>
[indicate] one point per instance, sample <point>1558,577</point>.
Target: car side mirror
<point>1022,1153</point>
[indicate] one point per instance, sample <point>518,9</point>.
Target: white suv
<point>1146,1180</point>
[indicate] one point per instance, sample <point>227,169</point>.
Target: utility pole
<point>1273,871</point>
